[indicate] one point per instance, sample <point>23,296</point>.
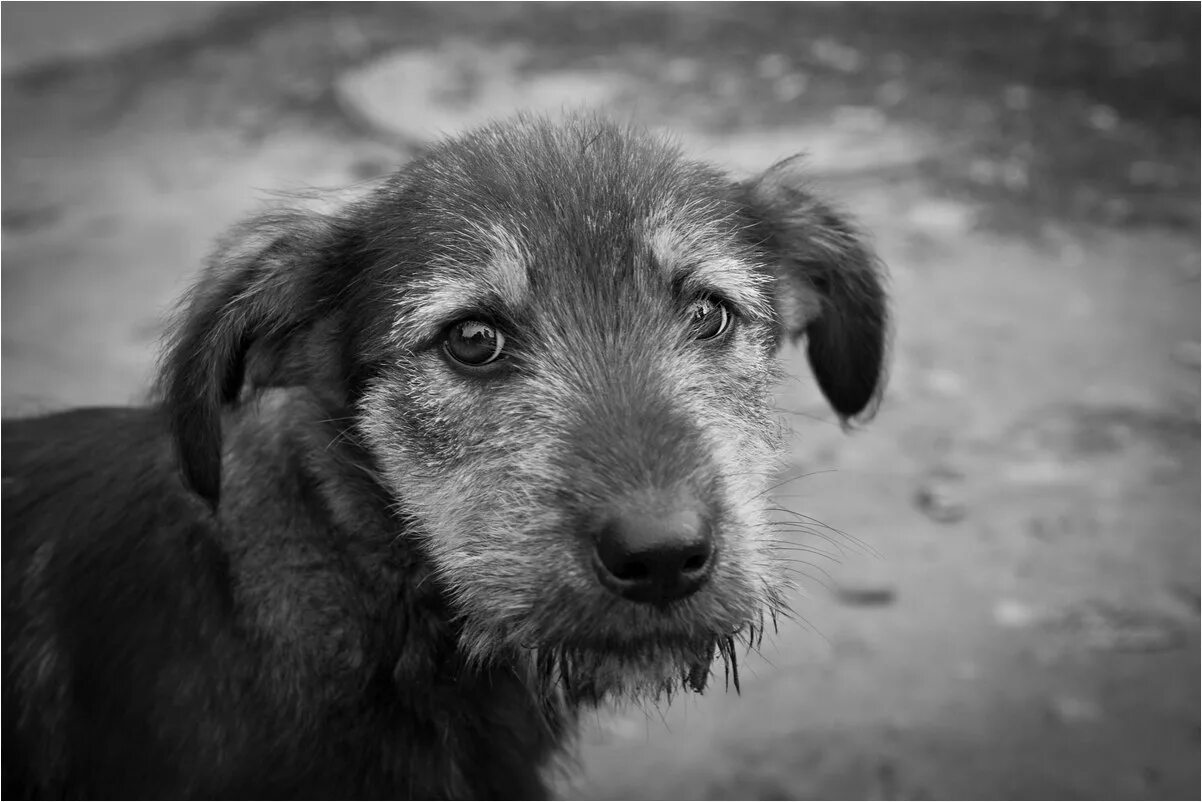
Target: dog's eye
<point>475,343</point>
<point>709,318</point>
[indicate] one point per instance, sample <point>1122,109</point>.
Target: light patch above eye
<point>706,261</point>
<point>460,280</point>
<point>506,271</point>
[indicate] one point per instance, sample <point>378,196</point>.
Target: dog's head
<point>557,343</point>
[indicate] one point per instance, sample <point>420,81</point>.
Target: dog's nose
<point>654,557</point>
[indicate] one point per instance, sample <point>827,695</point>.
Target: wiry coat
<point>330,562</point>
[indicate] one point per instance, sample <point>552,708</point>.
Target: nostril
<point>631,571</point>
<point>696,561</point>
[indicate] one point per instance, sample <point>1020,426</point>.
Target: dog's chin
<point>640,671</point>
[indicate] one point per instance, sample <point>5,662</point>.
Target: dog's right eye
<point>474,343</point>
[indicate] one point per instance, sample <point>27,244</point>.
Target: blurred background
<point>1009,606</point>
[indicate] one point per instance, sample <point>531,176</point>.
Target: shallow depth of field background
<point>1009,607</point>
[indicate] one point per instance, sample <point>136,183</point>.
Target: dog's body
<point>428,475</point>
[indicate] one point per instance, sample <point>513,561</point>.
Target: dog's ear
<point>262,289</point>
<point>829,287</point>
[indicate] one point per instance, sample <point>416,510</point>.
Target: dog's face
<point>558,344</point>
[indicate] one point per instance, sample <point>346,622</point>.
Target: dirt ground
<point>1009,607</point>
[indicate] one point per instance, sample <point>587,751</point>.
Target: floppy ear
<point>829,287</point>
<point>262,289</point>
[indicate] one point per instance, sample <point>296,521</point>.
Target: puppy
<point>427,476</point>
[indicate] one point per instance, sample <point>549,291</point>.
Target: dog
<point>428,475</point>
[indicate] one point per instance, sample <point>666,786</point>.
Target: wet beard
<point>650,673</point>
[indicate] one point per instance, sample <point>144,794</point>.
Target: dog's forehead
<point>525,221</point>
<point>668,246</point>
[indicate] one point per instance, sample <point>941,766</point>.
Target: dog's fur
<point>330,562</point>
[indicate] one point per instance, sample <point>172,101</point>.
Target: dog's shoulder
<point>112,577</point>
<point>128,595</point>
<point>86,472</point>
<point>96,518</point>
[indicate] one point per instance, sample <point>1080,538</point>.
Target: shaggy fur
<point>331,561</point>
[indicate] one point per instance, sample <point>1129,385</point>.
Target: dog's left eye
<point>474,343</point>
<point>709,318</point>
